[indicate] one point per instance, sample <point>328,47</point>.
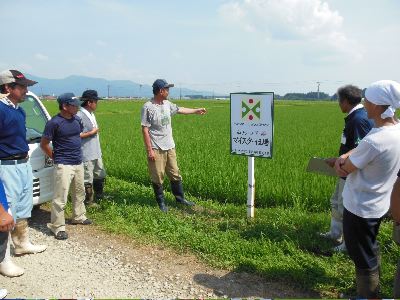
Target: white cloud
<point>101,43</point>
<point>310,21</point>
<point>42,57</point>
<point>22,67</point>
<point>111,7</point>
<point>177,55</point>
<point>82,60</point>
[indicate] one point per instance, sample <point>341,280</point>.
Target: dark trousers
<point>3,244</point>
<point>360,238</point>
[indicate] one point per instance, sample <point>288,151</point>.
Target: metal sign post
<point>251,192</point>
<point>252,133</point>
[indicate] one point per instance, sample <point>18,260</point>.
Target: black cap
<point>90,95</point>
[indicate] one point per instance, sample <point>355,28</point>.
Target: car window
<point>35,119</point>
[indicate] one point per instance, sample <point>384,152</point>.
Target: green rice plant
<point>302,130</point>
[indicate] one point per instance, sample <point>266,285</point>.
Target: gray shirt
<point>158,119</point>
<point>91,145</point>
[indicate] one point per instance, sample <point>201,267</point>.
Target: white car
<point>42,166</point>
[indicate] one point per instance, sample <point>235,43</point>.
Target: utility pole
<point>108,91</point>
<point>318,84</point>
<point>140,90</point>
<point>180,92</point>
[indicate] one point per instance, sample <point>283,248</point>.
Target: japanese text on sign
<point>252,124</point>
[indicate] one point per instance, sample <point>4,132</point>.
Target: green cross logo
<point>251,110</point>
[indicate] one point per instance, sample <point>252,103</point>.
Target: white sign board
<point>252,125</point>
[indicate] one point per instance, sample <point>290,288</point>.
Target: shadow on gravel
<point>39,219</point>
<point>245,285</point>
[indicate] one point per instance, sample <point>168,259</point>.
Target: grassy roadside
<point>281,243</point>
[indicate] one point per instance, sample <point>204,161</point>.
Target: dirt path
<point>95,264</point>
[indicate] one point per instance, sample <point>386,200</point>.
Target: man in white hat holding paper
<point>371,170</point>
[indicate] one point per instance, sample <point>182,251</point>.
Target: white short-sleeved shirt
<point>157,117</point>
<point>377,157</point>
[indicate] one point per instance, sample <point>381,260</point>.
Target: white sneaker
<point>328,235</point>
<point>3,293</point>
<point>340,248</point>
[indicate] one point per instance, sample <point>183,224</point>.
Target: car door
<point>42,166</point>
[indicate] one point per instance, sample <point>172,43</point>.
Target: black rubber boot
<point>89,199</point>
<point>159,193</point>
<point>98,187</point>
<point>396,288</point>
<point>177,190</point>
<point>367,283</point>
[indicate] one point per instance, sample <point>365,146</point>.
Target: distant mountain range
<point>105,88</point>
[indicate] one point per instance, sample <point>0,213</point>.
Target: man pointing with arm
<point>160,146</point>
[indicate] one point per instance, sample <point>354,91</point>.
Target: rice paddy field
<point>281,243</point>
<point>302,130</point>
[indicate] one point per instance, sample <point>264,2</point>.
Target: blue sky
<point>222,45</point>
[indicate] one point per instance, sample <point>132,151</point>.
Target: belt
<point>15,157</point>
<point>13,162</point>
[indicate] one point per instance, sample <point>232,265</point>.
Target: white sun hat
<point>384,92</point>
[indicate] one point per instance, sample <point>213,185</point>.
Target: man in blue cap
<point>64,131</point>
<point>160,146</point>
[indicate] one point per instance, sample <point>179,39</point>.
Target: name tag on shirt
<point>343,139</point>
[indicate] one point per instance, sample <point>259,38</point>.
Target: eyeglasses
<point>364,100</point>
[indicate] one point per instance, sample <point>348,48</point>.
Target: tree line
<point>307,96</point>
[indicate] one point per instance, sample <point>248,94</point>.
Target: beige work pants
<point>165,163</point>
<point>66,176</point>
<point>94,169</point>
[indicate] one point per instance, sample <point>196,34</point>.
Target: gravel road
<point>96,264</point>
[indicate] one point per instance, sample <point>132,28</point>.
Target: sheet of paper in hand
<point>318,165</point>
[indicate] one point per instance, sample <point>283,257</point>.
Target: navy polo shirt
<point>12,131</point>
<point>65,135</point>
<point>357,125</point>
